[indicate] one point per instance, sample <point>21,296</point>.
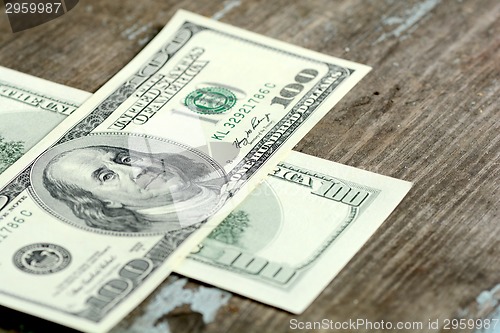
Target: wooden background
<point>427,113</point>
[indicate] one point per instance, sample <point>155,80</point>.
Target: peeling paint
<point>135,30</point>
<point>392,20</point>
<point>412,17</point>
<point>228,6</point>
<point>485,310</point>
<point>204,300</point>
<point>488,304</point>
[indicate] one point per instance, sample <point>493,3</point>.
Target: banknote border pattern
<point>10,85</point>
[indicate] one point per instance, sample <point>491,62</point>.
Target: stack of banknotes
<point>180,162</point>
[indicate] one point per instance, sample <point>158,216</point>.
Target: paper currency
<point>30,108</point>
<point>295,232</point>
<point>101,209</point>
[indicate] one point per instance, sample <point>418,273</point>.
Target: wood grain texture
<point>427,113</point>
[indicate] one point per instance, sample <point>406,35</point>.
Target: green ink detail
<point>10,151</point>
<point>232,228</point>
<point>210,100</point>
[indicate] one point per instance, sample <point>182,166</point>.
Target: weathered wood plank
<point>427,113</point>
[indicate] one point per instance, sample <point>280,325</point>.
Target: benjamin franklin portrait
<point>122,188</point>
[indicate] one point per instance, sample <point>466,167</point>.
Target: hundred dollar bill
<point>295,232</point>
<point>101,210</point>
<point>30,108</point>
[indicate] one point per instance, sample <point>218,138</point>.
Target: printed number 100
<point>288,93</point>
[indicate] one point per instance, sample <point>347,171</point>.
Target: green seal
<point>210,100</point>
